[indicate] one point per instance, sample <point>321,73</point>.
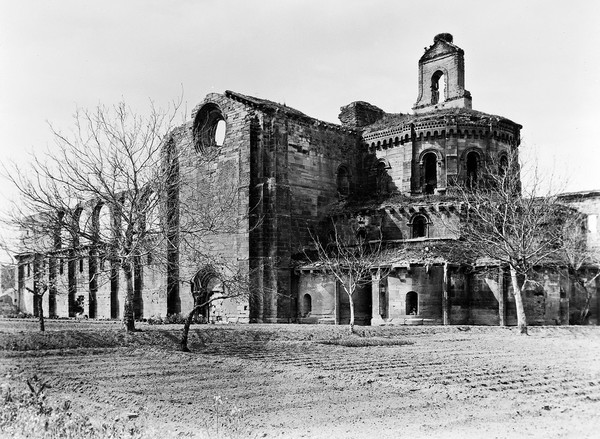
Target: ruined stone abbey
<point>290,172</point>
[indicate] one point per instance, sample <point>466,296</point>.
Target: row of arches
<point>411,304</point>
<point>100,222</point>
<point>425,135</point>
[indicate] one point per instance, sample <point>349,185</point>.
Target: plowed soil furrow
<point>449,383</point>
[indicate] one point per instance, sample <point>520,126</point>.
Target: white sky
<point>536,62</point>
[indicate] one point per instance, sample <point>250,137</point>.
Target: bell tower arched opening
<point>438,87</point>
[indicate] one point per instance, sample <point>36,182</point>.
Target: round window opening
<point>209,127</point>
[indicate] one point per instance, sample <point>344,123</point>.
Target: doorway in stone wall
<point>412,303</point>
<point>206,288</point>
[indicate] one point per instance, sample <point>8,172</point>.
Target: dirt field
<point>281,381</point>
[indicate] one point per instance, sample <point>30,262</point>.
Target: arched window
<point>429,173</point>
<point>412,303</point>
<point>306,305</point>
<point>210,127</point>
<point>419,226</point>
<point>438,87</point>
<point>343,182</point>
<point>472,162</point>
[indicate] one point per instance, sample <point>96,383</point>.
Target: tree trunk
<point>128,317</point>
<point>521,319</point>
<point>585,311</point>
<point>186,328</point>
<point>351,313</point>
<point>40,305</point>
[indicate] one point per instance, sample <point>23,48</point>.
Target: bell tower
<point>442,77</point>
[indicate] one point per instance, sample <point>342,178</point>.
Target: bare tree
<point>41,285</point>
<point>509,225</point>
<point>350,258</point>
<point>112,158</point>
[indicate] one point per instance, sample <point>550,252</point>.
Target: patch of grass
<point>26,413</point>
<point>361,342</point>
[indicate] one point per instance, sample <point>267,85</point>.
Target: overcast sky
<point>533,61</point>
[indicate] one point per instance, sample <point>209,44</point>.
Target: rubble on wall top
<point>273,107</point>
<point>447,115</point>
<point>579,195</point>
<point>265,104</point>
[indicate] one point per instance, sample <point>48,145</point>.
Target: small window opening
<point>220,132</point>
<point>306,305</point>
<point>343,182</point>
<point>430,173</point>
<point>438,87</point>
<point>28,270</point>
<point>412,303</point>
<point>419,227</point>
<point>61,266</point>
<point>81,265</point>
<point>472,169</point>
<point>149,258</point>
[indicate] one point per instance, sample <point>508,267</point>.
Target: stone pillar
<point>441,180</point>
<point>445,300</point>
<point>376,319</point>
<point>501,297</point>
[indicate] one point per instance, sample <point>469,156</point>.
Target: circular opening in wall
<point>209,127</point>
<point>220,133</point>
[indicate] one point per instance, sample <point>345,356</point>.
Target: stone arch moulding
<point>481,160</point>
<point>209,128</point>
<point>438,154</point>
<point>470,149</point>
<point>383,161</point>
<point>419,225</point>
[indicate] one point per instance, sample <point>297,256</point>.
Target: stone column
<point>376,319</point>
<point>441,182</point>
